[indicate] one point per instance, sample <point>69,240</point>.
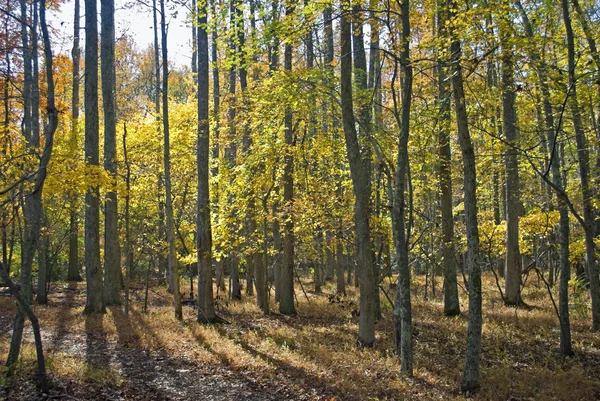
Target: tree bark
<point>584,173</point>
<point>361,182</point>
<point>73,270</point>
<point>172,254</point>
<point>112,253</point>
<point>512,267</point>
<point>206,305</point>
<point>95,300</point>
<point>451,300</point>
<point>470,380</point>
<point>286,278</point>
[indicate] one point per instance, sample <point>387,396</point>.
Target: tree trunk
<point>128,250</point>
<point>361,181</point>
<point>93,268</point>
<point>73,270</point>
<point>112,253</point>
<point>451,300</point>
<point>172,254</point>
<point>286,278</point>
<point>558,182</point>
<point>206,305</point>
<point>584,174</point>
<point>402,305</point>
<point>512,269</point>
<point>470,380</point>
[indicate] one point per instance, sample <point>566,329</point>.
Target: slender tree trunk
<point>361,182</point>
<point>93,267</point>
<point>206,306</point>
<point>512,269</point>
<point>559,183</point>
<point>402,307</point>
<point>286,296</point>
<point>470,380</point>
<point>73,270</point>
<point>43,262</point>
<point>128,250</point>
<point>162,258</point>
<point>451,301</point>
<point>112,253</point>
<point>172,255</point>
<point>584,173</point>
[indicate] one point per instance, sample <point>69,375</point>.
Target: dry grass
<point>316,350</point>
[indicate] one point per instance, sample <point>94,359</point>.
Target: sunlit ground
<point>315,352</point>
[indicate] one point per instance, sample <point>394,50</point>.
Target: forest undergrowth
<point>310,356</point>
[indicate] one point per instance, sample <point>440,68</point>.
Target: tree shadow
<point>65,316</point>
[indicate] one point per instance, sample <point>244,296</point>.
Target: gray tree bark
<point>470,380</point>
<point>172,254</point>
<point>584,173</point>
<point>93,268</point>
<point>286,278</point>
<point>206,305</point>
<point>112,252</point>
<point>558,182</point>
<point>451,300</point>
<point>402,304</point>
<point>512,266</point>
<point>361,182</point>
<point>73,269</point>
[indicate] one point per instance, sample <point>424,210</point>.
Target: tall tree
<point>470,380</point>
<point>73,270</point>
<point>402,304</point>
<point>172,254</point>
<point>559,185</point>
<point>512,269</point>
<point>112,253</point>
<point>583,158</point>
<point>451,301</point>
<point>206,306</point>
<point>286,296</point>
<point>361,182</point>
<point>95,300</point>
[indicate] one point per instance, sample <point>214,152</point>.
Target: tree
<point>512,274</point>
<point>94,300</point>
<point>451,301</point>
<point>172,255</point>
<point>206,307</point>
<point>470,380</point>
<point>286,278</point>
<point>112,253</point>
<point>402,304</point>
<point>73,271</point>
<point>361,181</point>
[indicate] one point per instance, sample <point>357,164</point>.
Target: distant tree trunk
<point>128,250</point>
<point>402,304</point>
<point>93,267</point>
<point>451,301</point>
<point>73,270</point>
<point>558,182</point>
<point>231,150</point>
<point>512,269</point>
<point>206,305</point>
<point>339,265</point>
<point>470,380</point>
<point>112,253</point>
<point>220,270</point>
<point>584,173</point>
<point>361,182</point>
<point>172,256</point>
<point>286,296</point>
<point>162,259</point>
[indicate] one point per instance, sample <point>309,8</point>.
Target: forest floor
<point>310,356</point>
